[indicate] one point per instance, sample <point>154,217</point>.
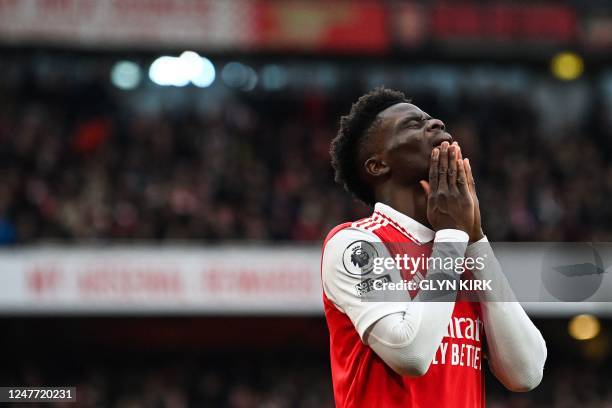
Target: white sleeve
<point>341,281</point>
<point>406,345</point>
<point>516,348</point>
<point>393,329</point>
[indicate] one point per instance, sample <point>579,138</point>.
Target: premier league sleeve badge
<point>358,258</point>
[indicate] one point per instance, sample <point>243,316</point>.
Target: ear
<point>376,166</point>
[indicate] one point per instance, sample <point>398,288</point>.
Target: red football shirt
<point>360,377</point>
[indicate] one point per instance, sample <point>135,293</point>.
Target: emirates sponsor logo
<point>465,350</point>
<point>464,328</point>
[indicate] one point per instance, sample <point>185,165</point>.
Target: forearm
<point>516,348</point>
<point>408,341</point>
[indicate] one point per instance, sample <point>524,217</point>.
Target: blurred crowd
<point>188,383</point>
<point>255,383</point>
<point>181,362</point>
<point>78,164</point>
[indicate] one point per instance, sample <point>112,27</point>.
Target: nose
<point>435,124</point>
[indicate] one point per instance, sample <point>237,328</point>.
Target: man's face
<point>408,137</point>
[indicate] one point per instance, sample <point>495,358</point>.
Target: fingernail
<point>435,153</point>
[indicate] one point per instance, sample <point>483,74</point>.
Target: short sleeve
<point>343,281</point>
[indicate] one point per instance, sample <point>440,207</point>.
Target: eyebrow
<point>412,116</point>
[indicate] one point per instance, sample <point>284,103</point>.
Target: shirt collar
<point>410,226</point>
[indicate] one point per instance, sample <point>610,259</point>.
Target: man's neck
<point>409,200</point>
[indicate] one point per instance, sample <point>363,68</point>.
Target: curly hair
<point>347,147</point>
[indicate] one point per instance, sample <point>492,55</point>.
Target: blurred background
<point>165,183</point>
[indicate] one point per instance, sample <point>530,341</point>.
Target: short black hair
<point>346,147</point>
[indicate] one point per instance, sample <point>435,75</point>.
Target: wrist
<point>453,226</point>
<point>451,235</point>
<point>476,235</point>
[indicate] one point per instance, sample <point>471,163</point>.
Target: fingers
<point>443,168</point>
<point>425,186</point>
<point>433,169</point>
<point>459,154</point>
<point>464,171</point>
<point>452,167</point>
<point>462,181</point>
<point>448,170</point>
<point>470,177</point>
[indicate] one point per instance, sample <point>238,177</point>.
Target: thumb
<point>425,186</point>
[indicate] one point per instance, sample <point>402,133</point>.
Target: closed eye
<point>412,123</point>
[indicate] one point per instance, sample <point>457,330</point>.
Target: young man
<point>415,353</point>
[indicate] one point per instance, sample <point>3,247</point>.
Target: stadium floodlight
<point>252,80</point>
<point>567,66</point>
<point>584,327</point>
<point>188,68</point>
<point>240,76</point>
<point>204,76</point>
<point>166,71</point>
<point>273,77</point>
<point>126,75</point>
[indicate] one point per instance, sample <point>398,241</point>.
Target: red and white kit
<point>408,353</point>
